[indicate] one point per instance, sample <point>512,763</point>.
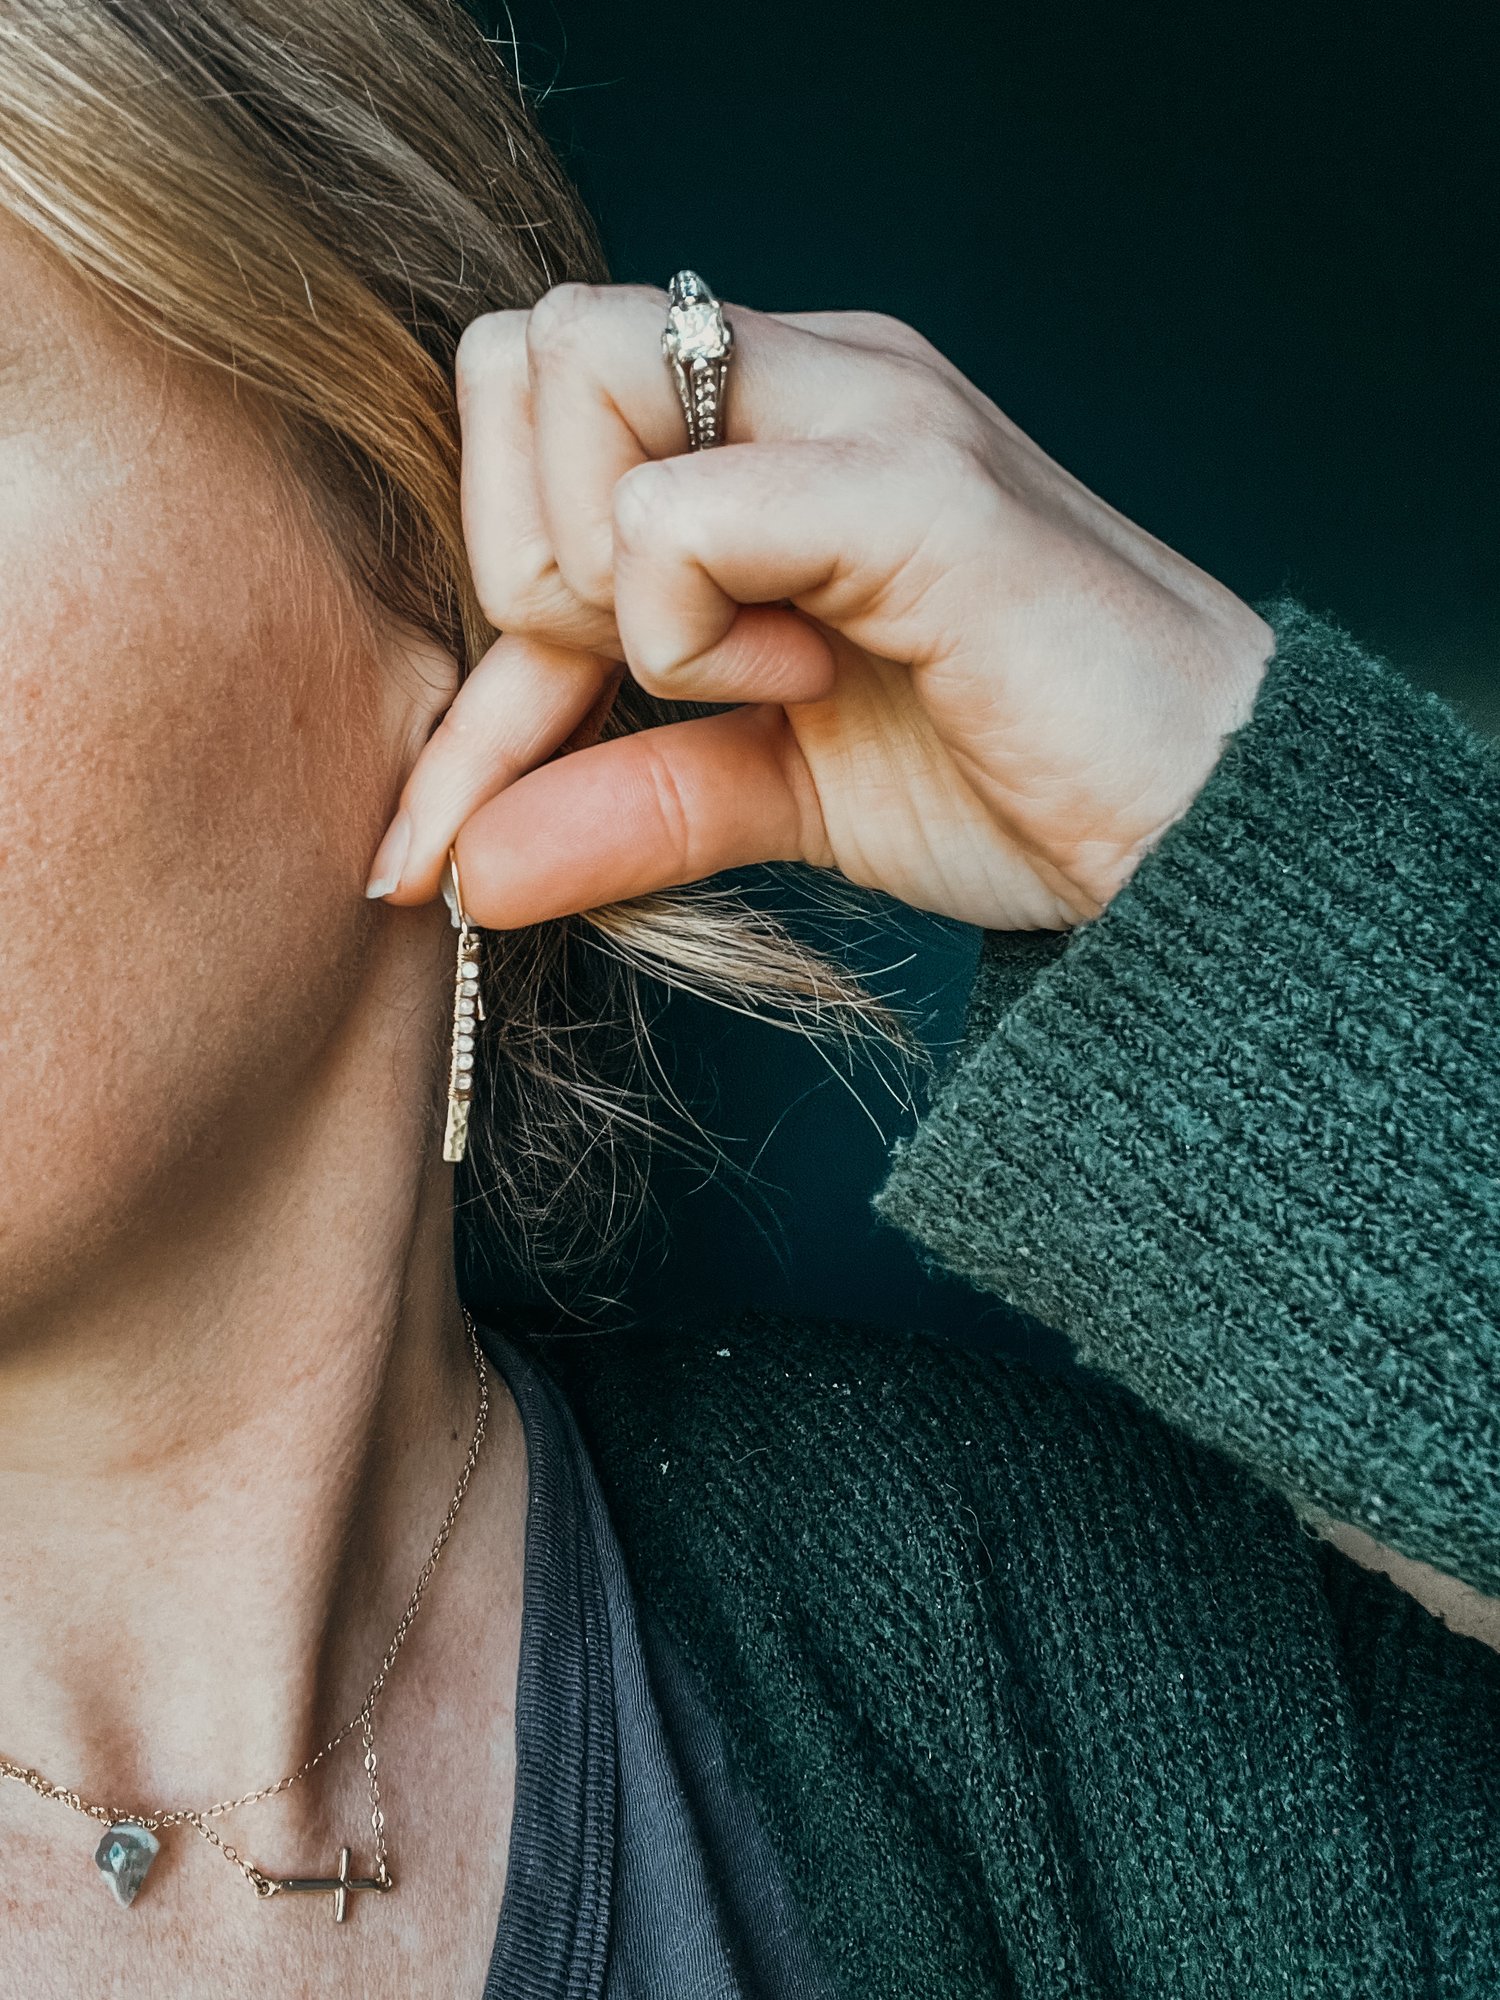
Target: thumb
<point>641,813</point>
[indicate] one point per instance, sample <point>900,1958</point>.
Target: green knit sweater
<point>1040,1685</point>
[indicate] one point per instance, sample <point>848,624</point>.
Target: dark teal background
<point>1233,267</point>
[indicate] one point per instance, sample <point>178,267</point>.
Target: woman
<point>846,1666</point>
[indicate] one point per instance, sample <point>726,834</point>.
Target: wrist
<point>1235,657</point>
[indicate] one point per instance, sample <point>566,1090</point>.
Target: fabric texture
<point>636,1867</point>
<point>1241,1139</point>
<point>552,1937</point>
<point>1040,1685</point>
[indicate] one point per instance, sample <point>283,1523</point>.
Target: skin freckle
<point>195,754</point>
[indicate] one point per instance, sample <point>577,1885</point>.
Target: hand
<point>958,676</point>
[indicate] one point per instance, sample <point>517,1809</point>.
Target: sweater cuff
<point>1236,1137</point>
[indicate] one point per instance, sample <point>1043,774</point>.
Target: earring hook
<point>455,902</point>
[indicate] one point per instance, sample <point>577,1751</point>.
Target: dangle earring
<point>468,1008</point>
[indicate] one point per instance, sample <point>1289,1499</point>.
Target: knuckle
<point>925,393</point>
<point>644,505</point>
<point>671,809</point>
<point>587,568</point>
<point>592,576</point>
<point>893,333</point>
<point>486,345</point>
<point>508,585</point>
<point>557,321</point>
<point>533,600</point>
<point>652,681</point>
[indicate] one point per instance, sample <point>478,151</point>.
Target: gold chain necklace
<point>129,1846</point>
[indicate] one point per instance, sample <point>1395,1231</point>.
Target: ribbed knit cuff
<point>1239,1138</point>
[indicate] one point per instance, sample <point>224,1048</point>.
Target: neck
<point>224,1457</point>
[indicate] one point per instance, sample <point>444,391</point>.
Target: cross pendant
<point>337,1886</point>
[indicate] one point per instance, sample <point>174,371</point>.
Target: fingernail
<point>390,856</point>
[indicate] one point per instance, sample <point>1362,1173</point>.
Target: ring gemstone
<point>696,331</point>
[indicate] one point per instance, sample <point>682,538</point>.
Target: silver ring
<point>697,340</point>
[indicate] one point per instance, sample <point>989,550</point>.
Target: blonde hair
<point>317,196</point>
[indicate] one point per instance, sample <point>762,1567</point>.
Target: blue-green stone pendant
<point>124,1859</point>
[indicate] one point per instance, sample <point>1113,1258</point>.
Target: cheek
<point>192,776</point>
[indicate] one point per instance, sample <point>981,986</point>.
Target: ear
<point>422,677</point>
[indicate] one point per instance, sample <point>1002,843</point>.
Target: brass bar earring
<point>468,1007</point>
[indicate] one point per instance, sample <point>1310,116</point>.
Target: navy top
<point>637,1867</point>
